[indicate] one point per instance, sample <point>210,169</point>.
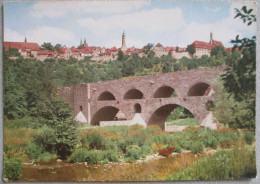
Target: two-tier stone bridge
<point>149,96</point>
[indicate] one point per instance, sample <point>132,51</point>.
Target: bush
<point>178,149</point>
<point>249,137</point>
<point>33,150</point>
<point>96,141</point>
<point>197,147</point>
<point>79,155</point>
<point>133,152</point>
<point>12,168</point>
<point>146,150</point>
<point>111,156</point>
<point>166,151</point>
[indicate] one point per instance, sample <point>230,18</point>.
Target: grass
<point>237,163</point>
<point>15,141</point>
<point>183,122</point>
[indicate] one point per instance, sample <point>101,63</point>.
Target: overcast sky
<point>172,23</point>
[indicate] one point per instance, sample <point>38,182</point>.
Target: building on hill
<point>204,48</point>
<point>24,48</point>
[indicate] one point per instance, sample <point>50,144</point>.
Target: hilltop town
<point>102,54</point>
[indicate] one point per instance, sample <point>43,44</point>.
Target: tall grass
<point>15,141</point>
<point>240,162</point>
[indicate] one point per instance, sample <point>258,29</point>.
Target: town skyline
<point>174,23</point>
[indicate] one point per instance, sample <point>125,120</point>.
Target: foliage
<point>133,152</point>
<point>12,168</point>
<point>179,113</point>
<point>223,165</point>
<point>197,147</point>
<point>167,67</point>
<point>190,49</point>
<point>147,48</point>
<point>166,151</point>
<point>218,51</point>
<point>47,46</point>
<point>79,155</point>
<point>249,137</point>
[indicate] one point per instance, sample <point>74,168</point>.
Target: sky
<point>101,23</point>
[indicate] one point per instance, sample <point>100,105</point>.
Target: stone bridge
<point>148,96</point>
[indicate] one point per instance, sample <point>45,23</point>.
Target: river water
<point>155,169</point>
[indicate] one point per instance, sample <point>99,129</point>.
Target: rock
<point>59,160</point>
<point>85,163</point>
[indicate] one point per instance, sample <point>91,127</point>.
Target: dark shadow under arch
<point>199,89</point>
<point>164,92</point>
<point>133,94</point>
<point>160,115</point>
<point>107,113</point>
<point>106,96</point>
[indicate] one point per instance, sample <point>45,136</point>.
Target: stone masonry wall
<point>181,81</point>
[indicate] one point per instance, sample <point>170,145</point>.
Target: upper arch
<point>164,92</point>
<point>133,94</point>
<point>106,96</point>
<point>199,89</point>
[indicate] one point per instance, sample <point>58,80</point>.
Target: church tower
<point>123,48</point>
<point>211,41</point>
<point>25,40</point>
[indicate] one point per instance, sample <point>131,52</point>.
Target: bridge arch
<point>105,96</point>
<point>133,94</point>
<point>164,92</point>
<point>199,89</point>
<point>106,113</point>
<point>159,116</point>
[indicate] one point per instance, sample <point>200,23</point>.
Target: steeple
<point>80,41</point>
<point>85,42</point>
<point>25,40</point>
<point>211,41</point>
<point>123,48</point>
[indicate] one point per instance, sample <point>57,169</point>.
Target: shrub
<point>95,141</point>
<point>167,151</point>
<point>12,168</point>
<point>197,147</point>
<point>111,156</point>
<point>178,149</point>
<point>79,155</point>
<point>146,150</point>
<point>133,152</point>
<point>249,137</point>
<point>93,157</point>
<point>45,138</point>
<point>34,150</point>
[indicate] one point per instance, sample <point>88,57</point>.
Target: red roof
<point>218,43</point>
<point>74,49</point>
<point>202,45</point>
<point>45,52</point>
<point>63,49</point>
<point>158,45</point>
<point>114,49</point>
<point>130,50</point>
<point>21,45</point>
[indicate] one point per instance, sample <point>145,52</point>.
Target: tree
<point>121,55</point>
<point>177,49</point>
<point>147,48</point>
<point>57,47</point>
<point>57,115</point>
<point>167,67</point>
<point>218,51</point>
<point>190,49</point>
<point>47,46</point>
<point>240,78</point>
